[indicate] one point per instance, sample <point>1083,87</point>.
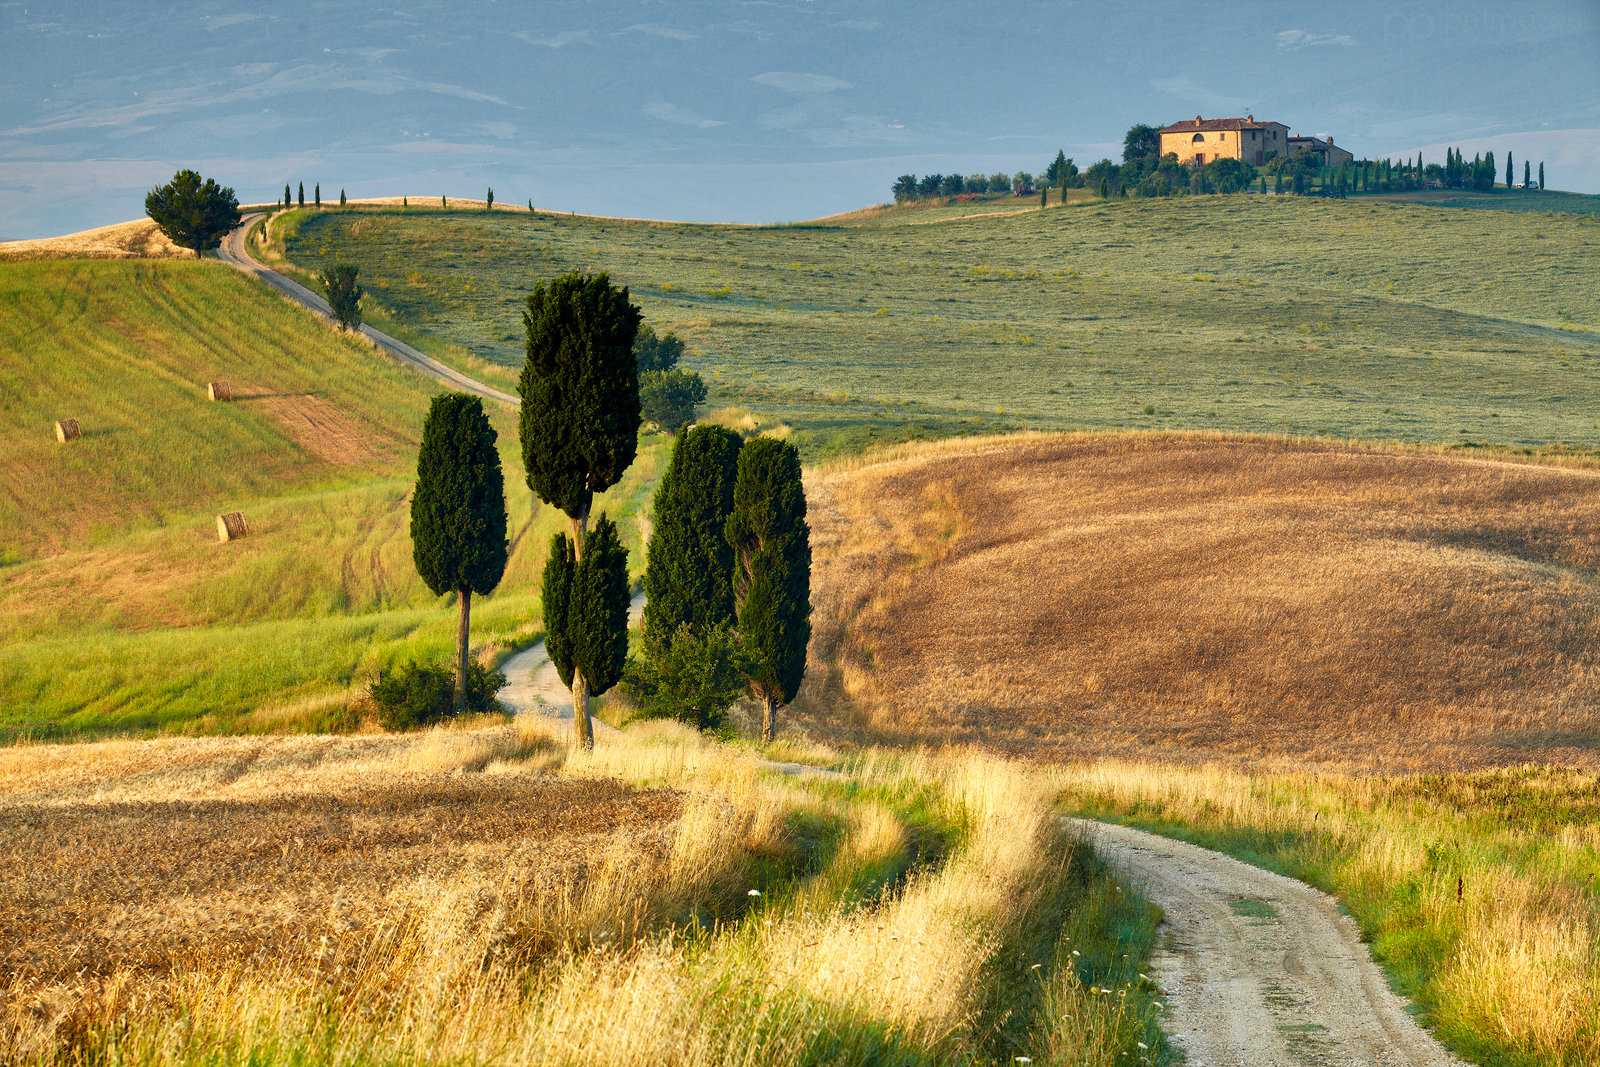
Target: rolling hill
<point>1359,319</point>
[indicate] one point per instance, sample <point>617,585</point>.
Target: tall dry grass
<point>764,919</point>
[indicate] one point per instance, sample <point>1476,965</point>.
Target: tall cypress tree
<point>318,194</point>
<point>688,578</point>
<point>1527,173</point>
<point>1511,173</point>
<point>772,575</point>
<point>302,194</point>
<point>458,511</point>
<point>1541,175</point>
<point>580,410</point>
<point>286,200</point>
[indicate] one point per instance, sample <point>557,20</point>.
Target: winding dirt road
<point>235,252</point>
<point>1261,970</point>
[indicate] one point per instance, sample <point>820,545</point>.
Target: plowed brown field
<point>1197,598</point>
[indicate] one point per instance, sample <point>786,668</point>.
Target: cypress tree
<point>1541,175</point>
<point>586,613</point>
<point>1527,173</point>
<point>688,578</point>
<point>286,199</point>
<point>302,194</point>
<point>489,199</point>
<point>341,198</point>
<point>597,611</point>
<point>1511,173</point>
<point>458,511</point>
<point>443,202</point>
<point>555,599</point>
<point>772,573</point>
<point>580,409</point>
<point>405,202</point>
<point>318,194</point>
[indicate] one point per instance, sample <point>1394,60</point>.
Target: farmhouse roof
<point>1197,124</point>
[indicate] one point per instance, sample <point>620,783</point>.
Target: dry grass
<point>1195,598</point>
<point>491,894</point>
<point>138,239</point>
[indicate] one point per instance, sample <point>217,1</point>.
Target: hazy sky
<point>737,109</point>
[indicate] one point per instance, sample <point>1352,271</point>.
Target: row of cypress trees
<point>732,546</point>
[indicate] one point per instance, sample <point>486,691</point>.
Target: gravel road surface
<point>1261,970</point>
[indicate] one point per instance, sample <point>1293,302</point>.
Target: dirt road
<point>235,252</point>
<point>1262,970</point>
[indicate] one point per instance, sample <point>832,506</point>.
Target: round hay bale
<point>231,527</point>
<point>220,390</point>
<point>67,430</point>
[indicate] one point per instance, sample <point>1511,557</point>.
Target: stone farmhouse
<point>1203,140</point>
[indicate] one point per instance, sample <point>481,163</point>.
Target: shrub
<point>420,694</point>
<point>694,680</point>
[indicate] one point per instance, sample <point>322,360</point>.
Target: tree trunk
<point>582,727</point>
<point>580,531</point>
<point>463,636</point>
<point>769,717</point>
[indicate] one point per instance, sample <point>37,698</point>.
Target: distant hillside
<point>118,607</point>
<point>1260,314</point>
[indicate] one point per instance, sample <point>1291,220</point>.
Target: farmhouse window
<point>1199,137</point>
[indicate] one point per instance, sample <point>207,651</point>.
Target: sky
<point>741,110</point>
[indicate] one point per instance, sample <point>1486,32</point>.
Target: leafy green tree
<point>458,511</point>
<point>669,398</point>
<point>928,185</point>
<point>772,573</point>
<point>1056,172</point>
<point>585,604</point>
<point>999,183</point>
<point>1140,142</point>
<point>488,199</point>
<point>652,353</point>
<point>580,412</point>
<point>194,214</point>
<point>344,295</point>
<point>688,577</point>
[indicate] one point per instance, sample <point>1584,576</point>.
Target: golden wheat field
<point>1206,598</point>
<point>490,894</point>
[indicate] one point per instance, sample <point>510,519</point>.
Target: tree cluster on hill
<point>1144,172</point>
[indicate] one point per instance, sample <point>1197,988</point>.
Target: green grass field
<point>118,607</point>
<point>1343,319</point>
